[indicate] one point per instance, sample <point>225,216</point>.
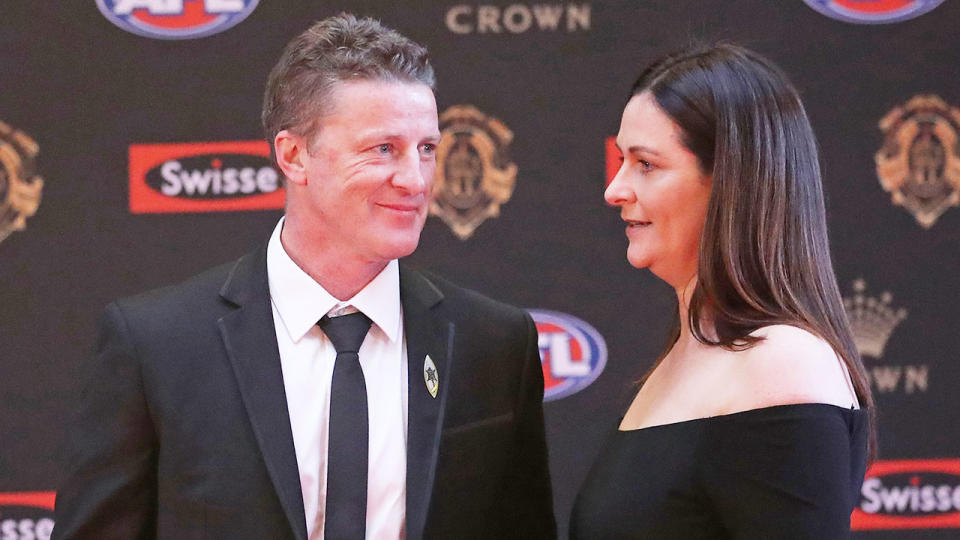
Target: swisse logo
<point>909,494</point>
<point>572,353</point>
<point>212,176</point>
<point>26,516</point>
<point>873,11</point>
<point>203,177</point>
<point>518,18</point>
<point>176,19</point>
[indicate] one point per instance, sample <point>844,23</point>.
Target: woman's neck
<point>684,294</point>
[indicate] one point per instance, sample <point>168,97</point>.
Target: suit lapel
<point>251,343</point>
<point>426,335</point>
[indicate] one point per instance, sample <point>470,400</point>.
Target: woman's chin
<point>638,261</point>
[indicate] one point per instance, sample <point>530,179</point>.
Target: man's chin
<point>399,246</point>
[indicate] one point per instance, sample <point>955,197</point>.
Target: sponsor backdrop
<point>130,158</point>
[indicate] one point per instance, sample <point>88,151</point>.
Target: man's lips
<point>634,223</point>
<point>401,207</point>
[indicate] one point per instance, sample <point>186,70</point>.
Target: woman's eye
<point>644,164</point>
<point>429,148</point>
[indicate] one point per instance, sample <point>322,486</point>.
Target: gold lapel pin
<point>430,377</point>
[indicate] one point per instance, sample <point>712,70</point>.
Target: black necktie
<point>346,505</point>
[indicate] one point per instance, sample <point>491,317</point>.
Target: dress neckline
<point>745,413</point>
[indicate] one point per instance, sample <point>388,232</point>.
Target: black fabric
<point>346,500</point>
<point>184,432</point>
<point>790,471</point>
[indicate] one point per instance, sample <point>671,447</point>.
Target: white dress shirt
<point>307,357</point>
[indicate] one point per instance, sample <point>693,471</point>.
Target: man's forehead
<point>381,105</point>
<point>367,86</point>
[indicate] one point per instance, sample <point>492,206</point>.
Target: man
<point>315,388</point>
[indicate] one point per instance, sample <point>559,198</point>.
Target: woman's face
<point>661,192</point>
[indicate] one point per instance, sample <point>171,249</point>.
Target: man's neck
<point>342,277</point>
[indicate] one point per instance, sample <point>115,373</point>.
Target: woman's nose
<point>618,192</point>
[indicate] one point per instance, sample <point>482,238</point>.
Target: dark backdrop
<point>85,90</point>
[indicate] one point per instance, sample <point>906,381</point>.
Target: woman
<point>755,422</point>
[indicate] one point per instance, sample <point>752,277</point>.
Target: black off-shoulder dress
<point>789,471</point>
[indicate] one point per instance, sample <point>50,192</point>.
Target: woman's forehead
<point>645,124</point>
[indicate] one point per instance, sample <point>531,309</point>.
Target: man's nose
<point>409,174</point>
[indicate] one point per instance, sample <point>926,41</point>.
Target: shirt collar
<point>301,301</point>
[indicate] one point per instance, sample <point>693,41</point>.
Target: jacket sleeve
<point>527,500</point>
<point>111,486</point>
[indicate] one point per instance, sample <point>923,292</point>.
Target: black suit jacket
<point>184,431</point>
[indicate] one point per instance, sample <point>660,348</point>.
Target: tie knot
<point>346,332</point>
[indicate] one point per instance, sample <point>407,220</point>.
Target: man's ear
<point>291,151</point>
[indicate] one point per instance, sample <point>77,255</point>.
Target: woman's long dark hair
<point>764,253</point>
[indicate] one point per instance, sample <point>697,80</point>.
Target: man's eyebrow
<point>392,135</point>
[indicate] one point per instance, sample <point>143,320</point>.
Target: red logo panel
<point>203,177</point>
<point>33,499</point>
<point>614,159</point>
<point>909,494</point>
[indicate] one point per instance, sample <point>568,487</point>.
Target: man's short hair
<point>336,49</point>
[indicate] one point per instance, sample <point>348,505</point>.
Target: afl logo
<point>176,19</point>
<point>572,353</point>
<point>873,11</point>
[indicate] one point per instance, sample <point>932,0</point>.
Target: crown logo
<point>872,320</point>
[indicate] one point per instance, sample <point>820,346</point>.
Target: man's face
<point>369,169</point>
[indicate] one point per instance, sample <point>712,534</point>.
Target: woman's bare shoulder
<point>790,365</point>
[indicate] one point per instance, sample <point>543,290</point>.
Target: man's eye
<point>645,165</point>
<point>384,148</point>
<point>429,148</point>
